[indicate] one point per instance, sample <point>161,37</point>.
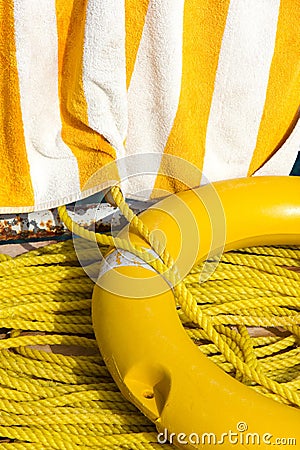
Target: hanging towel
<point>88,82</point>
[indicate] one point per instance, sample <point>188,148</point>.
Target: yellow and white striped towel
<point>86,82</point>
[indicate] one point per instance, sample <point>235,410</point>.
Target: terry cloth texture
<point>87,82</point>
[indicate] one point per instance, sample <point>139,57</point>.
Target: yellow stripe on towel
<point>135,13</point>
<point>15,187</point>
<point>202,38</point>
<point>283,93</point>
<point>91,149</point>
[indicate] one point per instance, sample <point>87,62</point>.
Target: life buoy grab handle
<point>154,363</point>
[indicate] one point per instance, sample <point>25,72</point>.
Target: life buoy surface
<point>154,363</point>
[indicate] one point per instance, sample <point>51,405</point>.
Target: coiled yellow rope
<point>55,391</point>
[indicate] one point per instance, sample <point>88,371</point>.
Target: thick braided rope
<point>57,395</point>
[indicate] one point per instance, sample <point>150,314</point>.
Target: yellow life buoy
<point>154,363</point>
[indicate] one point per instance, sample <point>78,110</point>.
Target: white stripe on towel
<point>104,70</point>
<point>53,167</point>
<point>240,87</point>
<point>154,90</point>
